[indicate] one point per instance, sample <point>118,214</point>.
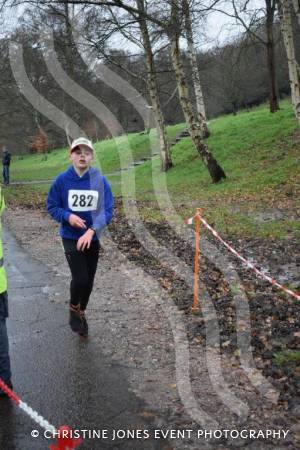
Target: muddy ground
<point>212,370</point>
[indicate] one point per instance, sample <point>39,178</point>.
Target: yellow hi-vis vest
<point>3,279</point>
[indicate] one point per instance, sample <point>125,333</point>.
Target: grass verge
<point>259,152</point>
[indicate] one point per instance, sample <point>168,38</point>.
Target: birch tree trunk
<point>195,71</point>
<point>166,161</point>
<point>296,4</point>
<point>70,59</point>
<point>270,7</point>
<point>287,32</point>
<point>215,170</point>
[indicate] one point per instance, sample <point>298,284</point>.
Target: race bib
<point>79,200</point>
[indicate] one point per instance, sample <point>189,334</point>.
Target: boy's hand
<point>85,240</point>
<point>76,221</point>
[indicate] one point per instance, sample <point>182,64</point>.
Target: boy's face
<point>81,157</point>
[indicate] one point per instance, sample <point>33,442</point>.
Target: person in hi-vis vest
<point>5,373</point>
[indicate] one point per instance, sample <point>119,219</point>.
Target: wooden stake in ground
<point>195,307</point>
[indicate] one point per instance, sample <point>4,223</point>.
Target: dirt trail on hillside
<point>137,323</point>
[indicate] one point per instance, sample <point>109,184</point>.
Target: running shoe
<point>84,330</point>
<point>75,320</point>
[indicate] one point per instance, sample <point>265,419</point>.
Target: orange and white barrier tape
<point>64,440</point>
<point>247,263</point>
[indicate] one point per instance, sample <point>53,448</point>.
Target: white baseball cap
<point>81,141</point>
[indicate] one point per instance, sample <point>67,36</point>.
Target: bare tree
<point>169,21</point>
<point>172,25</point>
<point>296,4</point>
<point>134,28</point>
<point>270,9</point>
<point>195,71</point>
<point>215,170</point>
<point>249,17</point>
<point>294,72</point>
<point>166,161</point>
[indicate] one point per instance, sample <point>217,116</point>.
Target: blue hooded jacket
<point>89,197</point>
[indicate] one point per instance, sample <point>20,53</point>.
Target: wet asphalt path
<point>66,379</point>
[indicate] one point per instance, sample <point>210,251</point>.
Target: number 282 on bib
<point>80,200</point>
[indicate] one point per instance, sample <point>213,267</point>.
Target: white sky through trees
<point>219,27</point>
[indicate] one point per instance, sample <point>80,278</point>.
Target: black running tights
<point>83,266</point>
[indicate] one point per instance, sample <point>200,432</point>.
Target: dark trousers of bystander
<point>5,372</point>
<point>83,266</point>
<point>5,174</point>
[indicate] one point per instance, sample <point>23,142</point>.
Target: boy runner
<point>80,199</point>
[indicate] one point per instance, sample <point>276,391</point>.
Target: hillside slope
<point>259,152</point>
